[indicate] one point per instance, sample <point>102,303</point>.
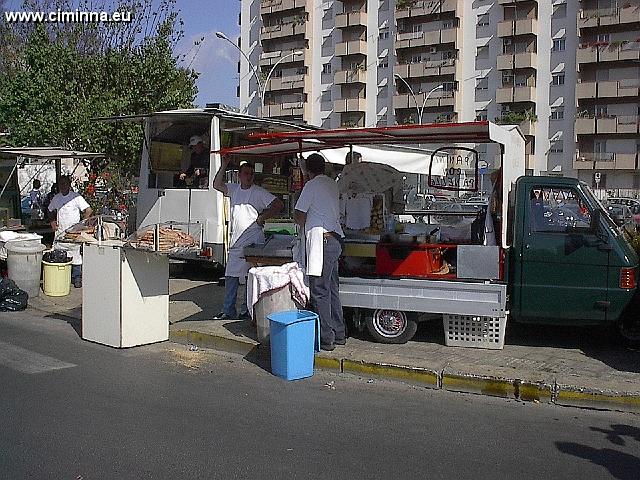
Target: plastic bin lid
<point>292,316</point>
<point>24,246</point>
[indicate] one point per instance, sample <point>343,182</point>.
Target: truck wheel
<point>391,326</point>
<point>629,329</point>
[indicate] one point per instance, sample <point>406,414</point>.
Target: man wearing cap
<point>198,166</point>
<point>250,206</point>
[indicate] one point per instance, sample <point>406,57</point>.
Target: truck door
<point>564,265</point>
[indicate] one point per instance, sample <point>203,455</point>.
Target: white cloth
<point>69,208</point>
<point>246,205</point>
<point>319,199</point>
<point>264,279</point>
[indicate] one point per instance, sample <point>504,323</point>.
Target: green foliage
<point>56,78</point>
<point>514,118</point>
<point>634,240</point>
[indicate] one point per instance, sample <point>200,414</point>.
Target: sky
<point>214,58</point>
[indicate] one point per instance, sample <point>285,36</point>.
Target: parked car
<point>622,216</point>
<point>632,203</point>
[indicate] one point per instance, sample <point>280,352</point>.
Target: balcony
<point>516,94</point>
<point>437,99</point>
<point>351,19</point>
<point>354,47</point>
<point>609,16</point>
<point>511,2</point>
<point>285,83</point>
<point>349,105</point>
<point>271,58</point>
<point>510,28</point>
<point>526,121</point>
<point>605,161</point>
<point>511,61</point>
<point>609,89</point>
<point>272,6</point>
<point>429,68</point>
<point>350,76</point>
<point>287,109</point>
<point>597,53</point>
<point>432,38</point>
<point>420,8</point>
<point>289,28</point>
<point>623,124</point>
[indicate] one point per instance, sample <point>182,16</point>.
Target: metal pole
<point>251,65</point>
<point>424,102</point>
<point>412,94</point>
<point>266,82</point>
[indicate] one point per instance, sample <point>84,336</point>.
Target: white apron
<point>314,251</point>
<point>72,249</point>
<point>244,232</point>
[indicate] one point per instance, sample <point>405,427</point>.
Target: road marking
<point>26,361</point>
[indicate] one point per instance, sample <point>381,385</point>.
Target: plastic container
<point>56,279</point>
<point>24,265</point>
<point>474,331</point>
<point>274,301</point>
<point>295,335</point>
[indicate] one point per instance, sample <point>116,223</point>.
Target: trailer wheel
<point>391,326</point>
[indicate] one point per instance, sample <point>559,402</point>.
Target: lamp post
<point>295,53</point>
<point>419,109</point>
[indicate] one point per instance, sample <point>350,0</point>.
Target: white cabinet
<point>125,297</point>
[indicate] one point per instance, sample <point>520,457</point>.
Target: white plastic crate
<point>474,331</point>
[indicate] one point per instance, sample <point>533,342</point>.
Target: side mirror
<point>595,220</point>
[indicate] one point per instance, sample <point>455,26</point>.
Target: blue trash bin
<point>295,336</point>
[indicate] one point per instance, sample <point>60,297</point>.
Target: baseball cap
<point>194,140</point>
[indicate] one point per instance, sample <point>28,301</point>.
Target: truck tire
<point>391,326</point>
<point>629,324</point>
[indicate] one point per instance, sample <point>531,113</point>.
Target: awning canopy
<point>46,153</point>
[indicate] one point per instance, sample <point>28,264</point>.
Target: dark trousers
<point>325,294</point>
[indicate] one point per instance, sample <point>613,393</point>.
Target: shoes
<point>327,347</point>
<point>77,282</point>
<point>340,341</point>
<point>244,316</point>
<point>223,316</point>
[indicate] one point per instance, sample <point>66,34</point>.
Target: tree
<point>56,77</point>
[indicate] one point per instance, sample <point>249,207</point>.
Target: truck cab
<point>569,263</point>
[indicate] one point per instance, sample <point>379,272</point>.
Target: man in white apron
<point>251,206</point>
<point>317,212</point>
<point>66,209</point>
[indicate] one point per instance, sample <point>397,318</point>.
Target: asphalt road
<point>80,411</point>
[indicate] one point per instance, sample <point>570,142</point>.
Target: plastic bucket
<point>24,265</point>
<point>294,338</point>
<point>56,279</point>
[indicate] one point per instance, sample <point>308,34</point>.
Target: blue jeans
<point>76,272</point>
<point>325,295</point>
<point>230,297</point>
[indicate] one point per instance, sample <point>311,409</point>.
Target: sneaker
<point>77,282</point>
<point>223,316</point>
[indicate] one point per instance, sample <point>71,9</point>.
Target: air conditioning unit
<point>433,49</point>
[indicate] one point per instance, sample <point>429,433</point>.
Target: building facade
<point>566,71</point>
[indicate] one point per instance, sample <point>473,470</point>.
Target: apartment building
<point>542,65</point>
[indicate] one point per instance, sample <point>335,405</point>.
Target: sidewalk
<point>565,366</point>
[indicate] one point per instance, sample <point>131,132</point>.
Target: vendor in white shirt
<point>251,206</point>
<point>65,210</point>
<point>317,212</point>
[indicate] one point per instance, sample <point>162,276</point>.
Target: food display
<point>377,214</point>
<point>166,238</point>
<point>99,228</point>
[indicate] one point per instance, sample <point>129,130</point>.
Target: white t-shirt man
<point>69,208</point>
<point>319,199</point>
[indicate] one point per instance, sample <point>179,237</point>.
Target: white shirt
<point>69,207</point>
<point>320,201</point>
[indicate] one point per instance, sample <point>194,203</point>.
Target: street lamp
<point>295,53</point>
<point>420,109</point>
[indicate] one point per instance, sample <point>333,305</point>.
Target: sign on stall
<point>461,173</point>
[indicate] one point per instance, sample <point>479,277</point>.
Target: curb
<point>447,379</point>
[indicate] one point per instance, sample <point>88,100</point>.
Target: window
<point>384,34</point>
<point>416,28</point>
<point>383,92</point>
<point>559,45</point>
<point>384,5</point>
<point>326,68</point>
<point>416,58</point>
<point>482,52</point>
<point>603,38</point>
<point>383,63</point>
<point>447,24</point>
<point>560,11</point>
<point>557,113</point>
<point>482,84</point>
<point>557,79</point>
<point>481,115</point>
<point>325,96</point>
<point>557,210</point>
<point>556,147</point>
<point>483,20</point>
